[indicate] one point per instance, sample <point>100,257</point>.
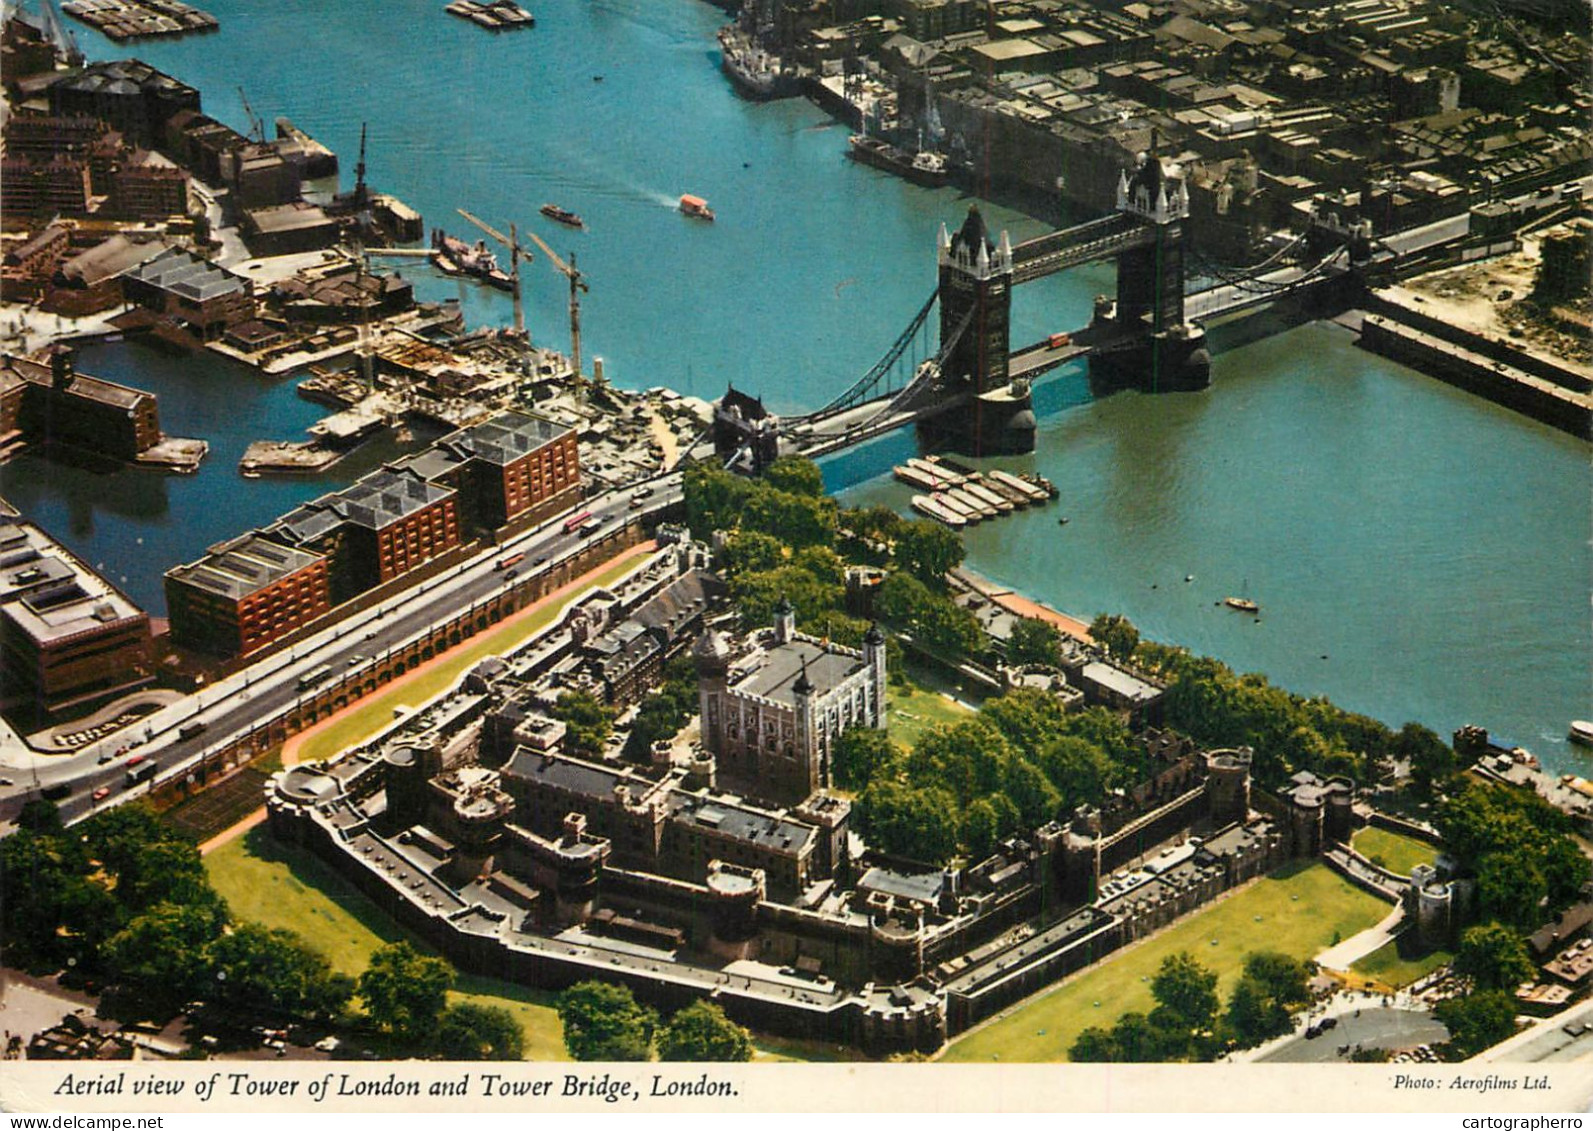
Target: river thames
<point>1417,553</point>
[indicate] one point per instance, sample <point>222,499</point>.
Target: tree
<point>1185,993</point>
<point>405,991</point>
<point>1029,717</point>
<point>797,520</point>
<point>968,758</point>
<point>1116,634</point>
<point>702,1032</point>
<point>920,824</point>
<point>259,967</point>
<point>1477,1021</point>
<point>589,719</point>
<point>162,953</point>
<point>928,550</point>
<point>40,816</point>
<point>467,1031</point>
<point>1494,957</point>
<point>51,910</point>
<point>714,498</point>
<point>1269,990</point>
<point>1432,762</point>
<point>1094,1046</point>
<point>605,1022</point>
<point>1030,790</point>
<point>859,754</point>
<point>980,829</point>
<point>748,551</point>
<point>1034,642</point>
<point>1080,770</point>
<point>797,475</point>
<point>757,594</point>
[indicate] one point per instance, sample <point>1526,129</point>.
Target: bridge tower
<point>1150,288</point>
<point>976,311</point>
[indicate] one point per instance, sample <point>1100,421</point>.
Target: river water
<point>1417,553</point>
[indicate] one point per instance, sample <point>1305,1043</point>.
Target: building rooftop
<point>185,274</point>
<point>48,594</point>
<point>778,668</point>
<point>78,384</point>
<point>504,438</point>
<point>384,497</point>
<point>729,818</point>
<point>244,567</point>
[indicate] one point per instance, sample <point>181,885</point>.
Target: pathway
<point>1342,956</point>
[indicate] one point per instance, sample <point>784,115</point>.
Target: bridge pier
<point>1000,422</point>
<point>1169,361</point>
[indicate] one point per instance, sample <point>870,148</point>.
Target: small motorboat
<point>1243,604</point>
<point>1582,732</point>
<point>696,206</point>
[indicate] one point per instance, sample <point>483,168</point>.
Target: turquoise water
<point>1434,548</point>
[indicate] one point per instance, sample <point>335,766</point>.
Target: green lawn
<point>914,708</point>
<point>282,885</point>
<point>1394,851</point>
<point>1300,911</point>
<point>1388,965</point>
<point>376,712</point>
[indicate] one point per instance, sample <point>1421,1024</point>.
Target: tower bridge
<point>974,393</point>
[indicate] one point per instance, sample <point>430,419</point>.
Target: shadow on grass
<point>307,870</point>
<point>1293,868</point>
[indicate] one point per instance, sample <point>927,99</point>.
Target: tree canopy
<point>702,1032</point>
<point>1494,957</point>
<point>405,991</point>
<point>468,1031</point>
<point>604,1022</point>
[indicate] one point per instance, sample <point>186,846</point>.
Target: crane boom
<point>488,228</point>
<point>577,285</point>
<point>559,265</point>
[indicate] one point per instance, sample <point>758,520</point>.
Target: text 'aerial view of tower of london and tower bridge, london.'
<point>988,531</point>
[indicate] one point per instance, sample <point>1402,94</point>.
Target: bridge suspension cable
<point>866,386</point>
<point>928,373</point>
<point>1241,277</point>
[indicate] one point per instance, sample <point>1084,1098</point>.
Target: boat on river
<point>562,215</point>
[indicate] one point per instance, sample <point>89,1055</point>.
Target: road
<point>250,698</point>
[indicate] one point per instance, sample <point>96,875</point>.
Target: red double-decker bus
<point>576,522</point>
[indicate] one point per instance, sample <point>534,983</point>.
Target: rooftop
<point>244,567</point>
<point>504,438</point>
<point>777,669</point>
<point>185,274</point>
<point>48,594</point>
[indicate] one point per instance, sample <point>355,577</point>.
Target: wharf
<point>1477,372</point>
<point>120,20</point>
<point>277,457</point>
<point>1019,605</point>
<point>319,161</point>
<point>173,453</point>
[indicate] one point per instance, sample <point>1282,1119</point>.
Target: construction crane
<point>577,285</point>
<point>256,126</point>
<point>516,254</point>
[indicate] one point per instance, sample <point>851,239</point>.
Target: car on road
<point>102,793</point>
<point>135,759</point>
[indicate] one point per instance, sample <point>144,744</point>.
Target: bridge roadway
<point>254,696</point>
